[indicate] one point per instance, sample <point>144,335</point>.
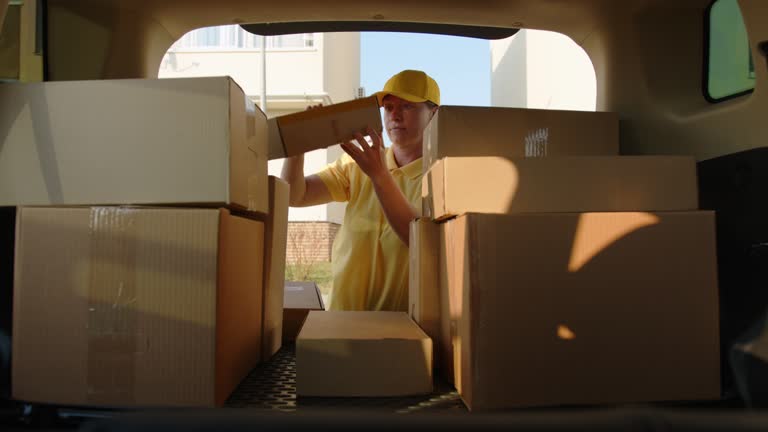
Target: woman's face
<point>405,121</point>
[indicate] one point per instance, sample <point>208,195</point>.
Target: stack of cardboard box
<point>170,291</point>
<point>551,271</point>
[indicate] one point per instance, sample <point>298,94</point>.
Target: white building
<point>540,69</point>
<point>301,70</point>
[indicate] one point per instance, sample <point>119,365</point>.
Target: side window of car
<point>729,68</point>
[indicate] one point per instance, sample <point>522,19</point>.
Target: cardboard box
<point>171,141</point>
<point>300,298</point>
<point>358,354</point>
<point>275,243</point>
<point>592,308</point>
<point>301,132</point>
<point>519,132</point>
<point>423,279</point>
<point>135,307</point>
<point>496,185</point>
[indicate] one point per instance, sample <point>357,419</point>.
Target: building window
<point>208,37</point>
<point>233,37</point>
<point>730,68</point>
<point>309,40</point>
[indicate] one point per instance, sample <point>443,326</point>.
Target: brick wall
<point>310,241</point>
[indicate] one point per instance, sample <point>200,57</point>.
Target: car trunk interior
<point>648,55</point>
<point>649,58</point>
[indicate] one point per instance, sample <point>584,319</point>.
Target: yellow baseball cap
<point>413,86</point>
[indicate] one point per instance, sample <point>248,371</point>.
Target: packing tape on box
<point>112,319</point>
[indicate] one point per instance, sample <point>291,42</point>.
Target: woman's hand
<point>370,157</point>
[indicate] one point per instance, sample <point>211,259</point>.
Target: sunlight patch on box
<point>596,232</point>
<point>565,333</point>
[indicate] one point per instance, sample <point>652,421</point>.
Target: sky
<point>461,66</point>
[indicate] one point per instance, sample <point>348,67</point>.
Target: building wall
<point>341,65</point>
<point>545,70</point>
<point>310,242</point>
<point>509,75</point>
<point>289,72</point>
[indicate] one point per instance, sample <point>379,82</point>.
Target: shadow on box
<point>573,285</point>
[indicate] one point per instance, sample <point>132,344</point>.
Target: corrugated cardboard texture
<point>496,185</point>
<point>130,142</point>
<point>52,272</point>
<point>299,298</point>
<point>239,299</point>
<point>118,306</point>
<point>326,126</point>
<point>276,238</point>
<point>424,283</point>
<point>113,325</point>
<point>362,354</point>
<point>584,308</point>
<point>517,132</point>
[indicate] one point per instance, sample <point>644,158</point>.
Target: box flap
<point>302,295</point>
<point>423,284</point>
<point>275,145</point>
<point>433,191</point>
<point>275,243</point>
<point>238,301</point>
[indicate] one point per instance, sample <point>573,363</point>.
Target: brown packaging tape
<point>112,337</point>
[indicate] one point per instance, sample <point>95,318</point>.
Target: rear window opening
<point>530,69</point>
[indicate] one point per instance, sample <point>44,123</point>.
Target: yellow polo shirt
<point>369,261</point>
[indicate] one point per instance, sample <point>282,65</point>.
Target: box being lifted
<point>301,132</point>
